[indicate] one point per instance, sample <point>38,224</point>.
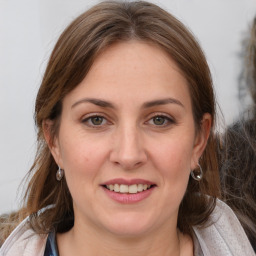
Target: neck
<point>78,242</point>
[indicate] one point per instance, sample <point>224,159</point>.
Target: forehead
<point>135,69</point>
<point>140,55</point>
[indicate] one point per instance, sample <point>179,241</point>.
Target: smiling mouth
<point>128,189</point>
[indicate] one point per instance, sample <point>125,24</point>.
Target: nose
<point>128,148</point>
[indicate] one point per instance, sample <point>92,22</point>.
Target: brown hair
<point>104,24</point>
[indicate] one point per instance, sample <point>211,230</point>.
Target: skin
<point>124,139</point>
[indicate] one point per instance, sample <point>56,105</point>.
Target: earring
<point>197,174</point>
<point>59,174</point>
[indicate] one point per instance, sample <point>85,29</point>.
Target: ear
<point>52,141</point>
<point>201,140</point>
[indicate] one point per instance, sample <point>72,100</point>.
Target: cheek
<point>174,155</point>
<point>77,147</point>
<point>82,160</point>
<point>173,160</point>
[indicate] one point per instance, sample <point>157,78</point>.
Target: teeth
<point>116,188</point>
<point>131,189</point>
<point>140,187</point>
<point>124,188</point>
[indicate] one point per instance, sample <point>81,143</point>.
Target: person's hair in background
<point>247,77</point>
<point>238,149</point>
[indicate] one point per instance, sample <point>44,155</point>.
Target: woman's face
<point>127,141</point>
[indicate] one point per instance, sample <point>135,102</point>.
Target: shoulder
<point>223,235</point>
<point>23,241</point>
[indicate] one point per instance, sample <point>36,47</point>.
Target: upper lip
<point>128,181</point>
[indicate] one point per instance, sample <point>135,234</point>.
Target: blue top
<point>51,248</point>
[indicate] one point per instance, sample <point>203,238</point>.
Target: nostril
<point>138,164</point>
<point>128,157</point>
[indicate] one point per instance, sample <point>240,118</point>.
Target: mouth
<point>128,189</point>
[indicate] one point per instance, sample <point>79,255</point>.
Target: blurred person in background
<point>238,148</point>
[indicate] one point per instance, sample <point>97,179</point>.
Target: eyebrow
<point>98,102</point>
<point>149,104</point>
<point>153,103</point>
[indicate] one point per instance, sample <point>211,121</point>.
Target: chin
<point>129,225</point>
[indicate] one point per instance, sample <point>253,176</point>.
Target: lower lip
<point>126,198</point>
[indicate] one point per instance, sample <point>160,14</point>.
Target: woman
<point>124,112</point>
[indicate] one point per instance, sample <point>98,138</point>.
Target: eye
<point>94,121</point>
<point>97,120</point>
<point>161,120</point>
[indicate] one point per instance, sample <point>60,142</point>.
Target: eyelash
<point>167,121</point>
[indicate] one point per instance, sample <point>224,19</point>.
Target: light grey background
<point>28,31</point>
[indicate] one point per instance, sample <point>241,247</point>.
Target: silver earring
<point>59,174</point>
<point>197,174</point>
